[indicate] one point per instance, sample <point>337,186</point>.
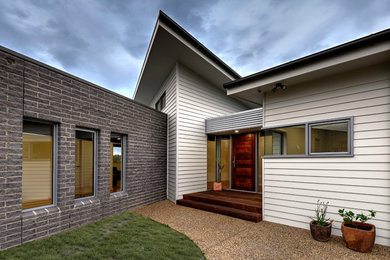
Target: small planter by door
<point>358,236</point>
<point>320,233</point>
<point>217,186</point>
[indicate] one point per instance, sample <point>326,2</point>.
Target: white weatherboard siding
<point>293,185</point>
<point>169,86</point>
<point>197,100</point>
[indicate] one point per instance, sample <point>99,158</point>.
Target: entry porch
<point>243,205</point>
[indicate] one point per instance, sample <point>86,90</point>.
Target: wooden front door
<point>244,162</point>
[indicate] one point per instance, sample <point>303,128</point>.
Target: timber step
<point>227,201</point>
<point>225,210</point>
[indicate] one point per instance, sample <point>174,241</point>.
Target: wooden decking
<point>232,203</point>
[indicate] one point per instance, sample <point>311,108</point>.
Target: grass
<point>124,236</point>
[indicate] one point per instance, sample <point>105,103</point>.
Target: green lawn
<point>124,236</point>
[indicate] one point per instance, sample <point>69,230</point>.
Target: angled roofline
<point>197,44</point>
<point>368,40</point>
<point>166,20</point>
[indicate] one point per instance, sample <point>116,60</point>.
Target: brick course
<point>30,89</point>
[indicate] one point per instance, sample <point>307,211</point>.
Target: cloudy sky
<point>105,41</point>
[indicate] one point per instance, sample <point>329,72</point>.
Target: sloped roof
<point>170,44</point>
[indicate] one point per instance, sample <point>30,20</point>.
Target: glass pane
<point>84,160</point>
<point>163,101</point>
<point>225,156</point>
<point>285,141</point>
<point>116,163</point>
<point>260,146</point>
<point>211,161</point>
<point>329,138</point>
<point>37,166</point>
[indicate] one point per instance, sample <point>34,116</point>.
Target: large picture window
<point>315,139</point>
<point>117,162</point>
<point>37,166</point>
<point>85,163</point>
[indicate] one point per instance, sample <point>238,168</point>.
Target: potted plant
<point>358,235</point>
<point>320,226</point>
<point>217,186</point>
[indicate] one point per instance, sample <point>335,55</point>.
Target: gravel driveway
<point>223,237</point>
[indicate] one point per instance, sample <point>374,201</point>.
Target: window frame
<point>95,163</point>
<point>282,142</point>
<point>159,104</point>
<point>54,162</point>
<point>349,151</point>
<point>308,125</point>
<point>123,182</point>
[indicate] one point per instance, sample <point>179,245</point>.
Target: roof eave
<point>349,46</point>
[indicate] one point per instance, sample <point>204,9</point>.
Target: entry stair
<point>236,204</point>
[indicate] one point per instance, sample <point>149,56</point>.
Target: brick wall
<point>30,89</point>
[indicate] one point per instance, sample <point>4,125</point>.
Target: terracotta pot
<point>217,186</point>
<point>360,239</point>
<point>320,233</point>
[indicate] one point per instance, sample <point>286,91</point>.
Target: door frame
<point>255,170</point>
<point>257,163</point>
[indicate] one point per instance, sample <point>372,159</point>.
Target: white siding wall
<point>197,100</point>
<point>292,186</point>
<point>169,86</point>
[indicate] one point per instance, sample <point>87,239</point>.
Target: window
<point>285,141</point>
<point>160,104</point>
<point>211,160</point>
<point>218,150</point>
<point>329,137</point>
<point>117,162</point>
<point>326,138</point>
<point>85,163</point>
<point>38,164</point>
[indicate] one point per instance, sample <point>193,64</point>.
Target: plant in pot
<point>358,235</point>
<point>320,226</point>
<point>217,186</point>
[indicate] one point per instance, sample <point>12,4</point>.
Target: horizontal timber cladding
<point>252,118</point>
<point>292,186</point>
<point>30,89</point>
<point>197,100</point>
<point>169,87</point>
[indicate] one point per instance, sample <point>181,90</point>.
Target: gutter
<point>369,40</point>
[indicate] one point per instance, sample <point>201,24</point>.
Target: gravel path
<point>223,237</point>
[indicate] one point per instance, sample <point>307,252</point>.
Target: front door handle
<point>234,161</point>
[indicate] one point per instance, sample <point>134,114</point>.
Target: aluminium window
<point>312,139</point>
<point>118,154</point>
<point>39,164</point>
<point>85,163</point>
<point>330,137</point>
<point>161,102</point>
<point>288,140</point>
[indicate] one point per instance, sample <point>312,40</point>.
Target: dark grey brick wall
<point>29,89</point>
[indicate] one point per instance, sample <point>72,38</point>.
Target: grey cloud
<point>105,41</point>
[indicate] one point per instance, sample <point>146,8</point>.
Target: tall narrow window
<point>117,162</point>
<point>224,150</point>
<point>85,163</point>
<point>160,104</point>
<point>211,160</point>
<point>37,178</point>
